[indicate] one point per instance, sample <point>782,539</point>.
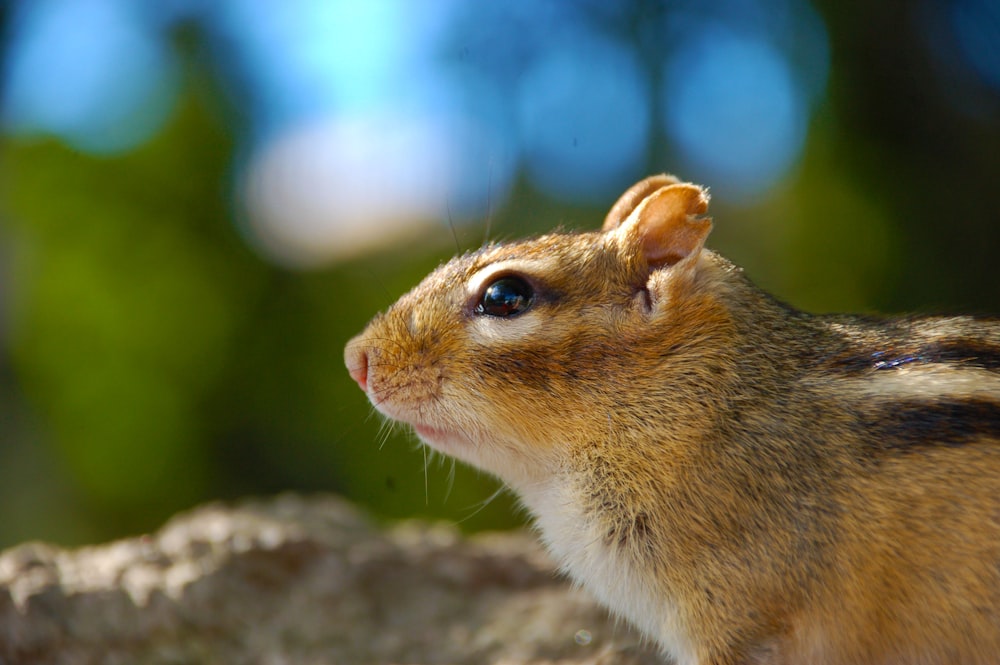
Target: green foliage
<point>126,290</point>
<point>151,360</point>
<point>162,363</point>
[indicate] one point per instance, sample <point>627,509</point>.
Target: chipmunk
<point>744,482</point>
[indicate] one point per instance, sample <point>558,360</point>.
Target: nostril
<point>357,367</point>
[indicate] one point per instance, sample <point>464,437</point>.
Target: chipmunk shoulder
<point>744,482</point>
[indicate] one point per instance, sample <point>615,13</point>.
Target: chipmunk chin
<point>449,441</point>
<point>446,441</point>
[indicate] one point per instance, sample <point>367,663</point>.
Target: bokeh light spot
<point>358,181</point>
<point>733,110</point>
<point>313,58</point>
<point>977,25</point>
<point>583,112</point>
<point>89,72</point>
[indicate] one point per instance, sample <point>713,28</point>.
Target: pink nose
<point>356,360</point>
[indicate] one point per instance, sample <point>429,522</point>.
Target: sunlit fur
<point>744,482</point>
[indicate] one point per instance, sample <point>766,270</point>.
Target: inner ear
<point>667,227</point>
<point>633,196</point>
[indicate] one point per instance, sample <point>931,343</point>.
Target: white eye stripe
<point>528,267</point>
<point>490,330</point>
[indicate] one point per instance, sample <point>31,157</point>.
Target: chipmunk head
<point>504,356</point>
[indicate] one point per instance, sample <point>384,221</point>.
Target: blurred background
<point>202,200</point>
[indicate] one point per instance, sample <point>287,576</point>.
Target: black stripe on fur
<point>963,353</point>
<point>914,424</point>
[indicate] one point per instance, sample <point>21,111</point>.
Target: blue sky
<point>565,93</point>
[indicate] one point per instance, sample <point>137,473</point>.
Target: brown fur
<point>796,489</point>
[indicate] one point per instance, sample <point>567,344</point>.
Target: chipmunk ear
<point>633,196</point>
<point>666,224</point>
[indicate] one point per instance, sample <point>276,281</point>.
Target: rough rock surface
<point>300,580</point>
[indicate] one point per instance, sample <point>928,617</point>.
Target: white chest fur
<point>579,543</point>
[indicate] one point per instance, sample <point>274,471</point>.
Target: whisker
<point>385,431</point>
<point>398,344</point>
<point>482,504</point>
<point>381,285</point>
<point>451,225</point>
<point>427,495</point>
<point>352,428</point>
<point>489,204</point>
<point>451,479</point>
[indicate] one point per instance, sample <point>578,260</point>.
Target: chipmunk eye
<point>506,297</point>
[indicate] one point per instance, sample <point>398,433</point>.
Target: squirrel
<point>741,481</point>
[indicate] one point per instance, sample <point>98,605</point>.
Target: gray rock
<point>295,580</point>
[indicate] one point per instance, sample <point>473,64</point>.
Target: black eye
<point>506,297</point>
